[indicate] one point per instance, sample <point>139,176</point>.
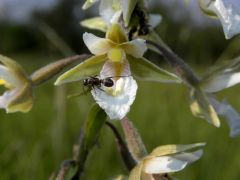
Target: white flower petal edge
<point>154,20</point>
<point>228,12</point>
<point>96,45</point>
<point>117,106</point>
<point>165,164</point>
<point>110,10</point>
<point>7,76</point>
<point>136,47</point>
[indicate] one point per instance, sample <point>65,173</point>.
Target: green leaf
<point>95,23</point>
<point>95,121</point>
<point>222,76</point>
<point>90,67</point>
<point>174,148</point>
<point>145,70</point>
<point>201,107</point>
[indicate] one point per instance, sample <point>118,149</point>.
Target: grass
<point>35,144</point>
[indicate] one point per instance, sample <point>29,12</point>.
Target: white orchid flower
<point>18,97</point>
<point>111,10</point>
<point>114,55</point>
<point>166,159</point>
<point>228,11</point>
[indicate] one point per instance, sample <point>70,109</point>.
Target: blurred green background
<point>33,145</point>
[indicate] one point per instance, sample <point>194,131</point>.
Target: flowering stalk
<point>45,73</point>
<point>122,148</point>
<point>180,67</point>
<point>134,141</point>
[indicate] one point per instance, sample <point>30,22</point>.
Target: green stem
<point>127,158</point>
<point>180,67</point>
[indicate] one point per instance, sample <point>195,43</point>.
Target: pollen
<point>116,55</point>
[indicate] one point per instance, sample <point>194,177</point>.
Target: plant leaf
<point>95,121</point>
<point>90,67</point>
<point>222,76</point>
<point>201,107</point>
<point>143,69</point>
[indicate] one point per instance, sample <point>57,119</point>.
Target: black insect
<point>93,82</point>
<point>143,27</point>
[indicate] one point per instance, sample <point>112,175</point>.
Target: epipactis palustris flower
<point>113,57</point>
<point>228,11</point>
<point>18,96</point>
<point>166,159</point>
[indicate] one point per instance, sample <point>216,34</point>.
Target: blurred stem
<point>54,38</point>
<point>127,158</point>
<point>182,69</point>
<point>47,72</point>
<point>133,139</point>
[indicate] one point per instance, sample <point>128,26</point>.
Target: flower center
<point>116,55</point>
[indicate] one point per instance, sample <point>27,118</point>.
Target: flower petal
<point>144,70</point>
<point>116,34</point>
<point>228,12</point>
<point>201,107</point>
<point>110,10</point>
<point>89,67</point>
<point>154,20</point>
<point>189,157</point>
<point>117,104</point>
<point>223,76</point>
<point>15,69</point>
<point>97,45</point>
<point>174,148</point>
<point>88,4</point>
<point>127,8</point>
<point>231,116</point>
<point>95,23</point>
<point>7,78</point>
<point>164,164</point>
<point>136,47</point>
<point>136,172</point>
<point>18,99</point>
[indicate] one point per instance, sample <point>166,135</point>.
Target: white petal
<point>232,117</point>
<point>108,69</point>
<point>189,157</point>
<point>154,20</point>
<point>110,10</point>
<point>228,12</point>
<point>222,76</point>
<point>8,76</point>
<point>222,81</point>
<point>97,45</point>
<point>165,164</point>
<point>136,47</point>
<point>119,105</point>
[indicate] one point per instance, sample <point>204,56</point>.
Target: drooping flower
<point>166,159</point>
<point>118,59</point>
<point>18,97</point>
<point>228,11</point>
